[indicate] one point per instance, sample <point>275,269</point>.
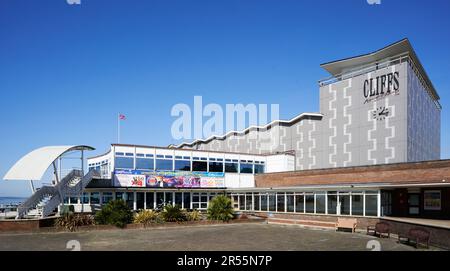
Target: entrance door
<point>414,204</point>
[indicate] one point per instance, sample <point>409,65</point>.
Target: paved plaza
<point>240,237</point>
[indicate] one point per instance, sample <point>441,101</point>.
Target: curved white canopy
<point>34,165</point>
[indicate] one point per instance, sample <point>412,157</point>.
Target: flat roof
<point>403,46</point>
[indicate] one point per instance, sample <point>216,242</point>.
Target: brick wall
<point>407,173</point>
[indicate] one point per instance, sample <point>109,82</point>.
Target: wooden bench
<point>381,228</point>
<point>346,223</point>
<point>419,236</point>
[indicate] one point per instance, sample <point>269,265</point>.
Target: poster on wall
<point>129,180</point>
<point>168,179</point>
<point>432,200</point>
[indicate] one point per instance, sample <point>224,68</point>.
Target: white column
<point>134,201</point>
<point>379,204</point>
<point>364,203</point>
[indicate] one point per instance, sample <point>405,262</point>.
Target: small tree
<point>115,213</point>
<point>173,213</point>
<point>220,208</point>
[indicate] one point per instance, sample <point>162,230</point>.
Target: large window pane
<point>344,200</point>
<point>159,199</point>
<point>320,203</point>
<point>129,199</point>
<point>162,164</point>
<point>215,167</point>
<point>256,202</point>
<point>231,167</point>
<point>246,168</point>
<point>187,200</point>
<point>259,169</point>
<point>124,163</point>
<point>150,200</point>
<point>332,204</point>
<point>280,202</point>
<point>272,203</point>
<point>95,198</point>
<point>371,205</point>
<point>140,200</point>
<point>299,203</point>
<point>182,165</point>
<point>235,199</point>
<point>199,166</point>
<point>169,198</point>
<point>242,202</point>
<point>309,203</point>
<point>264,202</point>
<point>290,203</point>
<point>357,204</point>
<point>179,199</point>
<point>144,163</point>
<point>248,202</point>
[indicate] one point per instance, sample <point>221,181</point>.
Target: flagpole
<point>118,128</point>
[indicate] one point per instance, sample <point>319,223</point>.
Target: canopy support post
<point>32,187</point>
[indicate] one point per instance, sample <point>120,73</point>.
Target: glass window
<point>272,203</point>
<point>215,167</point>
<point>248,202</point>
<point>150,200</point>
<point>263,202</point>
<point>235,199</point>
<point>299,203</point>
<point>357,204</point>
<point>179,199</point>
<point>320,203</point>
<point>371,205</point>
<point>129,199</point>
<point>242,202</point>
<point>231,167</point>
<point>169,198</point>
<point>66,200</point>
<point>256,202</point>
<point>159,200</point>
<point>280,202</point>
<point>140,200</point>
<point>246,168</point>
<point>144,163</point>
<point>119,195</point>
<point>204,201</point>
<point>344,200</point>
<point>187,200</point>
<point>290,203</point>
<point>182,165</point>
<point>73,200</point>
<point>124,162</point>
<point>309,203</point>
<point>259,169</point>
<point>85,198</point>
<point>162,164</point>
<point>199,166</point>
<point>332,204</point>
<point>107,197</point>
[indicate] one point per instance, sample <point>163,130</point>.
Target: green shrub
<point>173,213</point>
<point>194,215</point>
<point>115,213</point>
<point>67,209</point>
<point>71,221</point>
<point>146,217</point>
<point>220,208</point>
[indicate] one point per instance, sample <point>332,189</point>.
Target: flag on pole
<point>122,117</point>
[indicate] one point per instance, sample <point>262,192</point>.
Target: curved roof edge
<point>34,164</point>
<point>298,117</point>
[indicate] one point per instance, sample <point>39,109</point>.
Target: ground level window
<point>320,203</point>
<point>179,199</point>
<point>150,200</point>
<point>256,202</point>
<point>248,202</point>
<point>107,197</point>
<point>309,203</point>
<point>264,202</point>
<point>242,202</point>
<point>280,202</point>
<point>344,201</point>
<point>332,203</point>
<point>187,200</point>
<point>357,204</point>
<point>371,205</point>
<point>159,200</point>
<point>272,203</point>
<point>235,199</point>
<point>299,203</point>
<point>290,203</point>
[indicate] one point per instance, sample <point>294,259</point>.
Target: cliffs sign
<point>381,86</point>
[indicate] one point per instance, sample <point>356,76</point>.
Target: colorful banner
<point>168,179</point>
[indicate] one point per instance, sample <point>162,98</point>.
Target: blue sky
<point>67,70</point>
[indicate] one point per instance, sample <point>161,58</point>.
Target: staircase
<point>46,200</point>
